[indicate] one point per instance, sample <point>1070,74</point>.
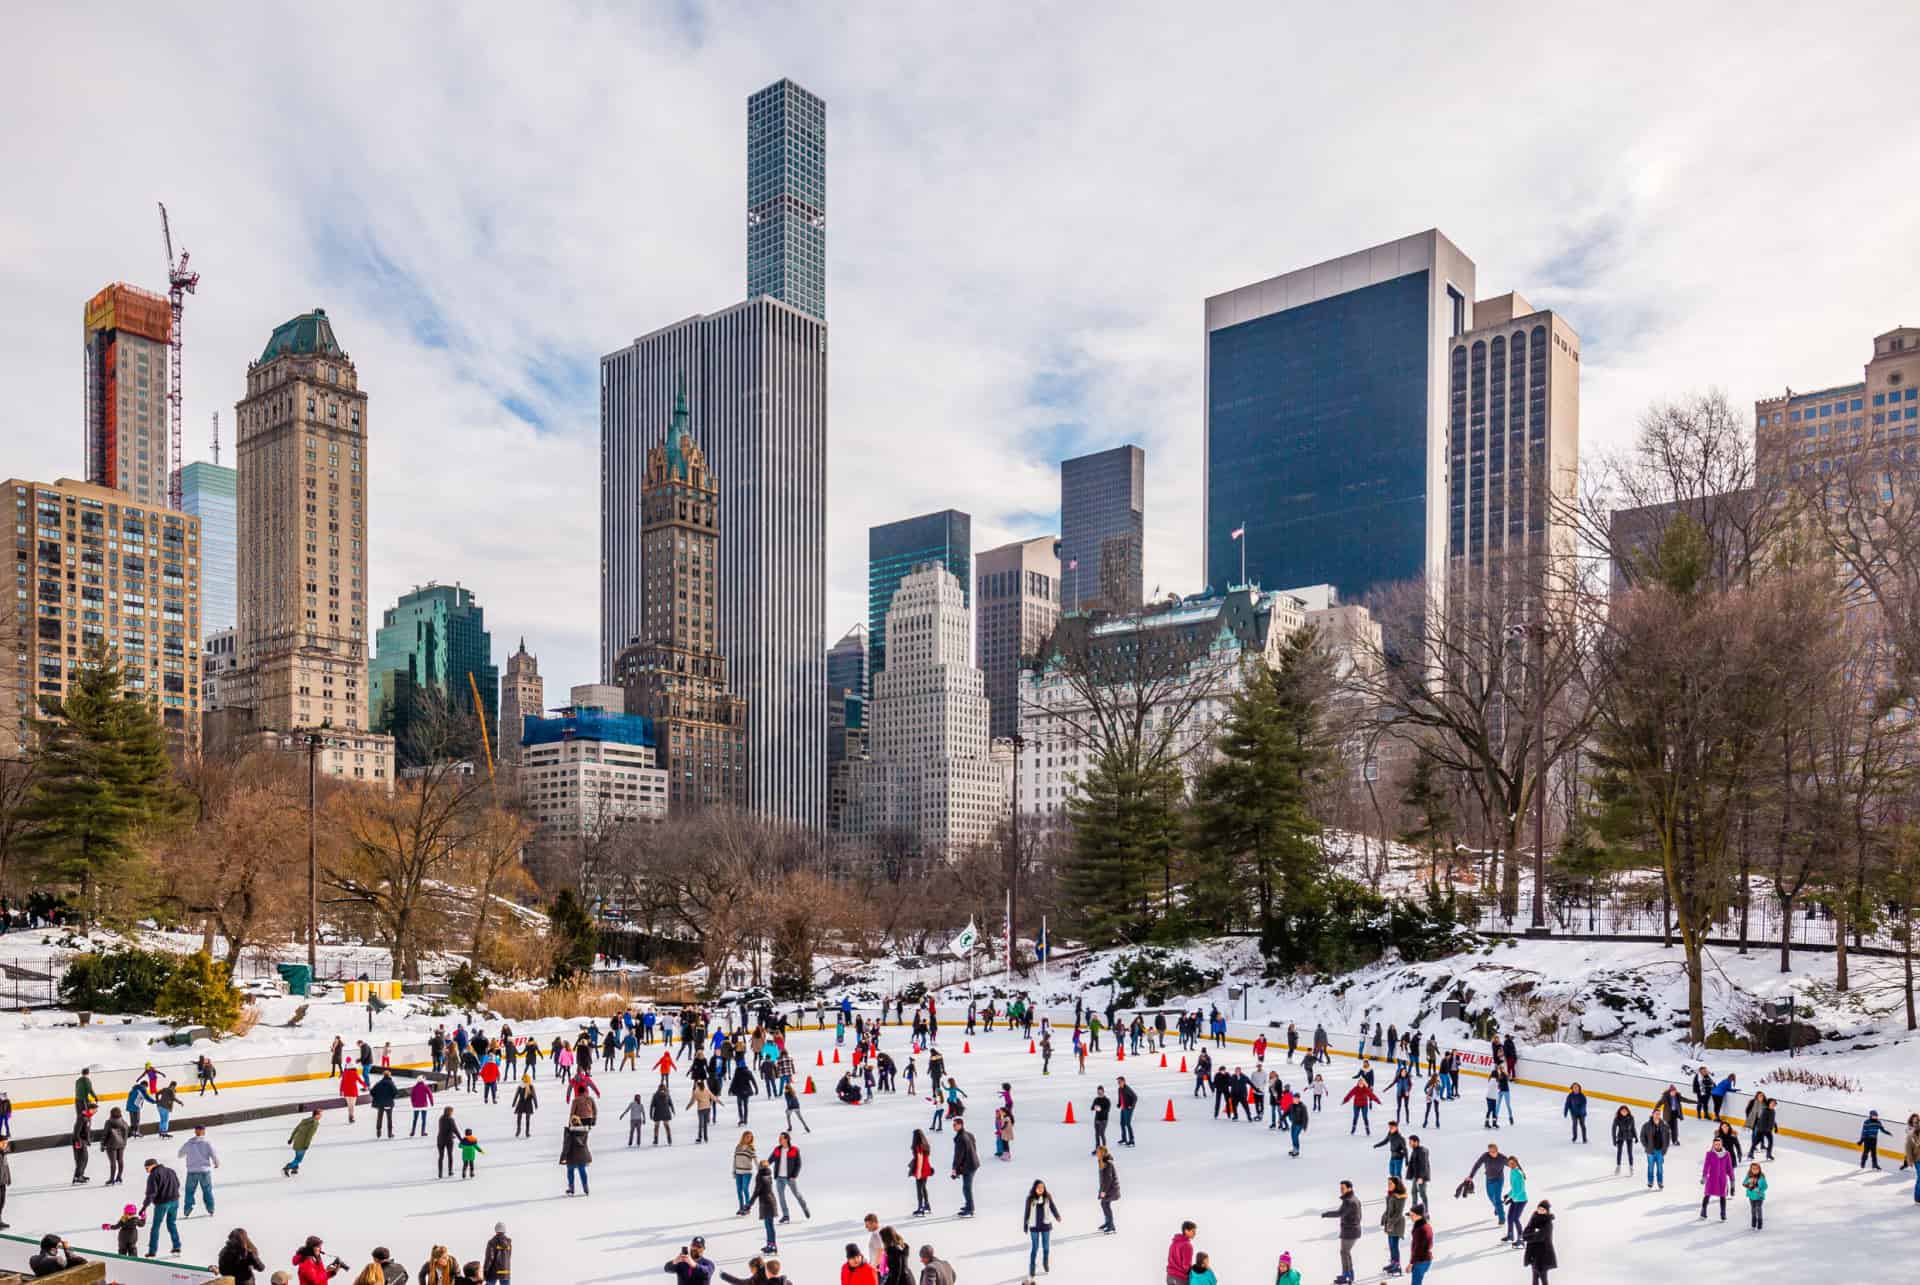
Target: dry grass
<point>248,1019</point>
<point>1810,1079</point>
<point>597,1000</point>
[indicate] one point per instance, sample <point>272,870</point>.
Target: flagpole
<point>1243,552</point>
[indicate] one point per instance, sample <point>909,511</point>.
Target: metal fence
<point>28,983</point>
<point>1637,920</point>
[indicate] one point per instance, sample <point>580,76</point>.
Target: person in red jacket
<point>350,1086</point>
<point>1422,1258</point>
<point>920,1168</point>
<point>1180,1254</point>
<point>310,1263</point>
<point>1364,1099</point>
<point>857,1270</point>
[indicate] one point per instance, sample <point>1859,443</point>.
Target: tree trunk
<point>1906,958</point>
<point>1840,982</point>
<point>1786,932</point>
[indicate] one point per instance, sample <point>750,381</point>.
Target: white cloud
<point>486,198</point>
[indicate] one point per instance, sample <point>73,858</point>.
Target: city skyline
<point>960,260</point>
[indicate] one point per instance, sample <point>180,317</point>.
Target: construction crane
<point>480,713</point>
<point>180,283</point>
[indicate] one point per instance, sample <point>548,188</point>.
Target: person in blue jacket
<point>1575,1110</point>
<point>1720,1092</point>
<point>1870,1130</point>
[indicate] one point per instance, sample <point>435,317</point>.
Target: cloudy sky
<point>1026,206</point>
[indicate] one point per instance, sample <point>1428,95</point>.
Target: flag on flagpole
<point>1239,530</point>
<point>1073,564</point>
<point>1007,930</point>
<point>963,944</point>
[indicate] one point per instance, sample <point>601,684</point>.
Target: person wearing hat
<point>692,1266</point>
<point>127,1231</point>
<point>497,1263</point>
<point>163,1197</point>
<point>310,1264</point>
<point>1286,1273</point>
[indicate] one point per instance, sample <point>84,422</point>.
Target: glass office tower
<point>207,492</point>
<point>1326,419</point>
<point>896,549</point>
<point>787,197</point>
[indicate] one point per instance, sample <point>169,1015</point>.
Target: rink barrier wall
<point>15,1251</point>
<point>110,1084</point>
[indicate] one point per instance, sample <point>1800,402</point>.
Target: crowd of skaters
<point>747,1059</point>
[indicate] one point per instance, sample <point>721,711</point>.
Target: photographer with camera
<point>312,1265</point>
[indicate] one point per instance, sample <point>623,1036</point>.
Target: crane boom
<point>181,281</point>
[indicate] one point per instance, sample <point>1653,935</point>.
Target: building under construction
<point>128,331</point>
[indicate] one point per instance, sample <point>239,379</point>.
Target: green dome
<point>310,332</point>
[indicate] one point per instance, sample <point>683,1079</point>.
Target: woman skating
<point>1109,1189</point>
<point>1624,1132</point>
<point>1539,1237</point>
<point>743,1163</point>
<point>920,1168</point>
<point>1393,1221</point>
<point>1037,1221</point>
<point>1516,1199</point>
<point>1716,1178</point>
<point>764,1207</point>
<point>1755,1185</point>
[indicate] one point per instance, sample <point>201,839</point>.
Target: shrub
<point>1152,975</point>
<point>465,989</point>
<point>1810,1079</point>
<point>574,937</point>
<point>126,979</point>
<point>578,1000</point>
<point>200,992</point>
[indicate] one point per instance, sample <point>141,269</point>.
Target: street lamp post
<point>1013,865</point>
<point>1535,631</point>
<point>315,739</point>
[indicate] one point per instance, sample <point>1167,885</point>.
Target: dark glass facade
<point>787,197</point>
<point>1497,442</point>
<point>1103,503</point>
<point>1317,441</point>
<point>894,550</point>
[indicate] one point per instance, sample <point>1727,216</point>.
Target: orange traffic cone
<point>1069,1119</point>
<point>1030,1047</point>
<point>1163,1061</point>
<point>1119,1053</point>
<point>967,1047</point>
<point>836,1057</point>
<point>809,1087</point>
<point>1183,1064</point>
<point>1168,1117</point>
<point>820,1059</point>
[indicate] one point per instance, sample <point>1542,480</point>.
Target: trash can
<point>298,978</point>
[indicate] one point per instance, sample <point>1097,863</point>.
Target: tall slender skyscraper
<point>208,491</point>
<point>674,673</point>
<point>1016,596</point>
<point>1326,419</point>
<point>894,551</point>
<point>523,695</point>
<point>126,331</point>
<point>1103,517</point>
<point>787,197</point>
<point>303,522</point>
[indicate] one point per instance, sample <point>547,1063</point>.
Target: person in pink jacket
<point>1716,1178</point>
<point>1180,1254</point>
<point>421,1097</point>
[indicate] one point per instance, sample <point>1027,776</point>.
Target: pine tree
<point>574,937</point>
<point>200,992</point>
<point>1426,798</point>
<point>103,783</point>
<point>1126,823</point>
<point>1254,830</point>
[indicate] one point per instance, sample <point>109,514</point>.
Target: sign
<point>1464,1058</point>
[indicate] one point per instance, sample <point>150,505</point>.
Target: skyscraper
<point>1103,510</point>
<point>522,696</point>
<point>1513,437</point>
<point>847,662</point>
<point>894,550</point>
<point>787,197</point>
<point>1017,603</point>
<point>931,776</point>
<point>302,457</point>
<point>674,673</point>
<point>755,379</point>
<point>1802,434</point>
<point>432,643</point>
<point>126,332</point>
<point>1326,419</point>
<point>208,492</point>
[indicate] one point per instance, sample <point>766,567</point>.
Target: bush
<point>1348,926</point>
<point>465,989</point>
<point>126,979</point>
<point>575,939</point>
<point>200,992</point>
<point>1152,975</point>
<point>579,1000</point>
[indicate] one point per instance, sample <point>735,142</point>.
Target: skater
<point>113,1145</point>
<point>1494,1166</point>
<point>1492,1120</point>
<point>163,1197</point>
<point>82,1139</point>
<point>301,1140</point>
<point>635,1114</point>
<point>966,1163</point>
<point>933,1270</point>
<point>761,1199</point>
<point>1755,1185</point>
<point>1671,1108</point>
<point>1362,1098</point>
<point>470,1149</point>
<point>525,1102</point>
<point>1037,1221</point>
<point>1762,1122</point>
<point>1539,1255</point>
<point>786,1177</point>
<point>1419,1171</point>
<point>1296,1124</point>
<point>702,1101</point>
<point>1108,1186</point>
<point>741,1090</point>
<point>1348,1212</point>
<point>792,1100</point>
<point>420,1098</point>
<point>201,1160</point>
<point>446,1138</point>
<point>1396,1144</point>
<point>920,1168</point>
<point>576,1154</point>
<point>1202,1273</point>
<point>1099,1109</point>
<point>1716,1179</point>
<point>1420,1255</point>
<point>203,1072</point>
<point>1623,1133</point>
<point>350,1086</point>
<point>1653,1141</point>
<point>744,1157</point>
<point>383,1095</point>
<point>1430,1114</point>
<point>126,1231</point>
<point>1393,1222</point>
<point>1574,1108</point>
<point>1002,1134</point>
<point>1180,1254</point>
<point>660,1111</point>
<point>1516,1199</point>
<point>1127,1100</point>
<point>1870,1130</point>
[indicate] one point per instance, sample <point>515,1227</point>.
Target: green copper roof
<point>310,332</point>
<point>677,435</point>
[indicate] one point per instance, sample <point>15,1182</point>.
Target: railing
<point>35,982</point>
<point>1635,920</point>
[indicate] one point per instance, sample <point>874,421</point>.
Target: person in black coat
<point>742,1089</point>
<point>1348,1212</point>
<point>660,1111</point>
<point>1419,1172</point>
<point>239,1258</point>
<point>444,1141</point>
<point>966,1163</point>
<point>1538,1238</point>
<point>383,1095</point>
<point>764,1207</point>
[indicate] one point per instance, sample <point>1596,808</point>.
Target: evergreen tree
<point>200,992</point>
<point>574,937</point>
<point>1254,832</point>
<point>1426,798</point>
<point>103,783</point>
<point>1118,879</point>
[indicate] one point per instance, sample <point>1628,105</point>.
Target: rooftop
<point>310,333</point>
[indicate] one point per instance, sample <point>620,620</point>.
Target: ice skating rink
<point>1825,1219</point>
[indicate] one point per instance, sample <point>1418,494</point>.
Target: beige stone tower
<point>302,558</point>
<point>523,695</point>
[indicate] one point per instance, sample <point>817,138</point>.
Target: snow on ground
<point>1250,1199</point>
